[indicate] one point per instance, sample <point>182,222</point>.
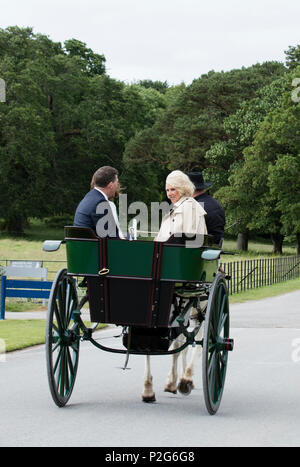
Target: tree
<point>91,63</point>
<point>193,122</point>
<point>144,168</point>
<point>160,86</point>
<point>63,118</point>
<point>226,157</point>
<point>26,139</point>
<point>143,176</point>
<point>258,189</point>
<point>293,57</point>
<point>284,183</point>
<point>240,128</point>
<point>154,102</point>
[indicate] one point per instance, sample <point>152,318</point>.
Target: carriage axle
<point>225,344</point>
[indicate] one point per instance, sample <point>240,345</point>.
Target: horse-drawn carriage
<point>150,289</point>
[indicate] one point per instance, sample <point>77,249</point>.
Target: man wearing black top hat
<point>215,218</point>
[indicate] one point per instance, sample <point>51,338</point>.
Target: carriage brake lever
<point>128,350</point>
<point>126,362</point>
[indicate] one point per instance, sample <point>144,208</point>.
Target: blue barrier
<point>22,289</point>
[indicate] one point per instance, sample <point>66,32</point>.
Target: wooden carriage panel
<point>82,257</point>
<point>128,258</point>
<point>132,282</point>
<point>129,301</point>
<point>185,264</point>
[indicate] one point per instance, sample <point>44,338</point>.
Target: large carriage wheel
<point>62,338</point>
<point>216,344</point>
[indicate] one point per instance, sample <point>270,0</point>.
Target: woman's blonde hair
<point>181,182</point>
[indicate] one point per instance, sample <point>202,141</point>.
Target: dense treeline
<point>64,117</point>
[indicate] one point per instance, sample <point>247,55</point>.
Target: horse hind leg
<point>186,384</point>
<point>171,384</point>
<point>148,395</point>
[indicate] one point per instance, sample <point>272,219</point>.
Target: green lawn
<point>265,292</point>
<point>256,250</point>
<point>24,333</point>
<point>20,333</point>
<point>30,246</point>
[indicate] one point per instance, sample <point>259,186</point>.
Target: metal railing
<point>252,274</point>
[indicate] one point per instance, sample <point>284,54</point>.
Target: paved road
<point>260,406</point>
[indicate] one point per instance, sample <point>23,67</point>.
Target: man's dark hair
<point>103,176</point>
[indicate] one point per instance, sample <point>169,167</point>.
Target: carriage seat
<point>79,232</point>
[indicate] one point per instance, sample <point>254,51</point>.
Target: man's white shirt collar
<point>113,209</point>
<point>98,189</point>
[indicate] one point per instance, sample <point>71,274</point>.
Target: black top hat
<point>198,181</point>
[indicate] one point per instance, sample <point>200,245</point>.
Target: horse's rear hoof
<point>149,398</point>
<point>170,388</point>
<point>185,387</point>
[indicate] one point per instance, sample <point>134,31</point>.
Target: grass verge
<point>266,292</point>
<point>20,333</point>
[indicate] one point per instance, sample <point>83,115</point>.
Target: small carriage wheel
<point>216,344</point>
<point>62,338</point>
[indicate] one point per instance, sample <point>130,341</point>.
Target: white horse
<point>186,381</point>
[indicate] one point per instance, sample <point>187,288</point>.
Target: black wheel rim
<point>215,352</point>
<point>62,338</point>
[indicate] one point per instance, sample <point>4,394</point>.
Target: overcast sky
<point>167,40</point>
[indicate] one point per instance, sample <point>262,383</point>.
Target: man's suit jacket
<point>215,218</point>
<point>94,212</point>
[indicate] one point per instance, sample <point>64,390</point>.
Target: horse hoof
<point>170,388</point>
<point>185,387</point>
<point>149,398</point>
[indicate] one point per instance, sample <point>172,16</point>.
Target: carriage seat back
<point>132,282</point>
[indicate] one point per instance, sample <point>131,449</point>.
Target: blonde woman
<point>187,215</point>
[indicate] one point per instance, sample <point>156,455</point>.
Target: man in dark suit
<point>94,210</point>
<point>215,218</point>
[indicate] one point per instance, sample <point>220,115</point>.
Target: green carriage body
<point>132,282</point>
<point>134,259</point>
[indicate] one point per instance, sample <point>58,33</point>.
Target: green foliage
<point>64,117</point>
<point>293,57</point>
<point>92,63</point>
<point>240,127</point>
<point>58,221</point>
<point>193,121</point>
<point>284,183</point>
<point>264,188</point>
<point>159,86</point>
